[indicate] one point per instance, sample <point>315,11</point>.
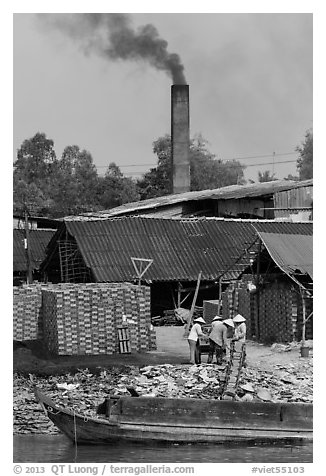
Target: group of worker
<point>220,335</point>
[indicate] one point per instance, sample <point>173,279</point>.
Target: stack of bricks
<point>210,310</point>
<point>79,319</point>
<point>27,312</point>
<point>275,313</point>
<point>84,318</point>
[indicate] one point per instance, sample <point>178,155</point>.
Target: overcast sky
<point>250,79</point>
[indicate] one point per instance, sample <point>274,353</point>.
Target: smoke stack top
<point>112,36</point>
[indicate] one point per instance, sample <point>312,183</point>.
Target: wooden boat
<point>149,419</point>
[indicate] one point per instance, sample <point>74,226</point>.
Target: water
<point>58,449</point>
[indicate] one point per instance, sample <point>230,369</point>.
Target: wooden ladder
<point>233,369</point>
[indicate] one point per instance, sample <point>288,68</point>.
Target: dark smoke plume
<point>112,36</point>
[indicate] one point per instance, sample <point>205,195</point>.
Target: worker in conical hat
<point>218,339</point>
<point>240,329</point>
<point>193,338</point>
<point>218,318</point>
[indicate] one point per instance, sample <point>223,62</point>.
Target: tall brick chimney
<point>180,137</point>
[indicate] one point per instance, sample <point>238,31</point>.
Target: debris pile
<point>290,383</point>
<point>195,381</point>
<point>84,391</point>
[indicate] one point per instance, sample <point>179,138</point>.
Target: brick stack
<point>276,308</point>
<point>210,310</point>
<point>152,338</point>
<point>237,299</point>
<point>275,313</point>
<point>27,312</point>
<point>79,319</point>
<point>84,318</point>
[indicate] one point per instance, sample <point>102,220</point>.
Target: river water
<point>58,449</point>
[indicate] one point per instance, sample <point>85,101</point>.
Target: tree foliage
<point>206,172</point>
<point>305,160</point>
<point>34,168</point>
<point>116,189</point>
<point>28,197</point>
<point>158,181</point>
<point>47,185</point>
<point>266,176</point>
<point>36,159</point>
<point>70,185</point>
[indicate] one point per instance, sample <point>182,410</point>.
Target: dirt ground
<point>32,357</point>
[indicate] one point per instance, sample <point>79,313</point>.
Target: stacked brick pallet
<point>27,302</point>
<point>275,313</point>
<point>210,310</point>
<point>83,319</point>
<point>77,321</point>
<point>236,299</point>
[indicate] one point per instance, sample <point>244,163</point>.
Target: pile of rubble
<point>84,391</point>
<point>290,383</point>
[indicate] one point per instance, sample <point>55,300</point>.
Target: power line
<point>271,163</point>
<point>264,156</point>
<point>234,158</point>
<point>120,166</point>
<point>140,172</point>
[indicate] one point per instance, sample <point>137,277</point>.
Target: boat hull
<point>199,421</point>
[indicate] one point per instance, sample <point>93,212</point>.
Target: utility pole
<point>29,277</point>
<point>273,164</point>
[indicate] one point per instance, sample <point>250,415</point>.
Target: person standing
<point>214,332</point>
<point>219,339</point>
<point>240,329</point>
<point>193,338</point>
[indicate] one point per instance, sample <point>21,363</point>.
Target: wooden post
<point>257,330</point>
<point>219,295</point>
<point>304,349</point>
<point>173,298</point>
<point>192,306</point>
<point>29,275</point>
<point>179,295</point>
<point>60,260</point>
<point>303,341</point>
<point>66,258</point>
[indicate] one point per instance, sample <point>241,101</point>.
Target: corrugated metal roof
<point>292,253</point>
<point>223,193</point>
<point>38,240</point>
<point>180,248</point>
<point>283,227</point>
